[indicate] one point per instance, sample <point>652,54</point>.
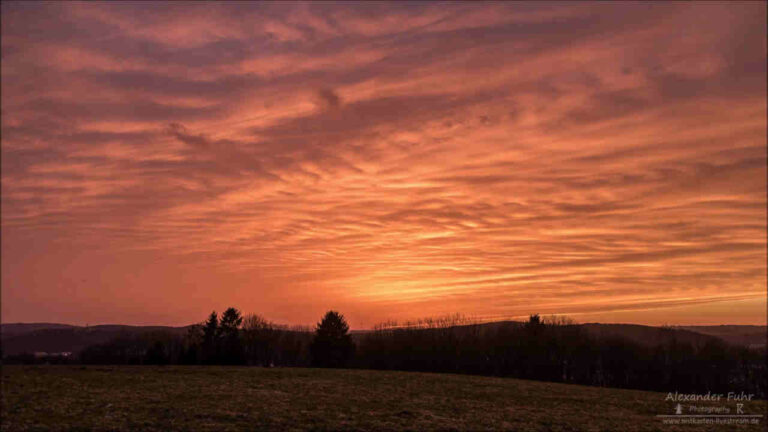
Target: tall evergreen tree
<point>332,345</point>
<point>211,339</point>
<point>229,329</point>
<point>230,322</point>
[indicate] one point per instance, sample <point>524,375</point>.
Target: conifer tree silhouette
<point>332,345</point>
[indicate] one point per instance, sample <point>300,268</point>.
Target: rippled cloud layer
<point>391,160</point>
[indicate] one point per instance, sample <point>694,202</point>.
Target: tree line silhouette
<point>550,350</point>
<point>233,339</point>
<point>559,351</point>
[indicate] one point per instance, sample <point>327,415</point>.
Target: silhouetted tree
<point>534,320</point>
<point>230,322</point>
<point>258,336</point>
<point>332,346</point>
<point>229,331</point>
<point>210,346</point>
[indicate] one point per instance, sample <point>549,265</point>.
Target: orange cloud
<point>390,160</point>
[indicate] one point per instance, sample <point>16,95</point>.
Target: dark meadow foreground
<point>219,398</point>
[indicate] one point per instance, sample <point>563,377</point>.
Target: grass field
<point>251,399</point>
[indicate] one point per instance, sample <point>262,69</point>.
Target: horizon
<point>470,321</point>
<point>392,161</point>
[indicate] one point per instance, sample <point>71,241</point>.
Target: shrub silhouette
<point>332,345</point>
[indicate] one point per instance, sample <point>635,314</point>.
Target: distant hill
<point>19,338</point>
<point>739,335</point>
<point>15,329</point>
<point>745,335</point>
<point>53,338</point>
<point>646,335</point>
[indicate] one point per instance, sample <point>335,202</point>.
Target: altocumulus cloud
<point>492,159</point>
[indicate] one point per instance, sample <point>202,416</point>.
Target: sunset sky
<point>606,161</point>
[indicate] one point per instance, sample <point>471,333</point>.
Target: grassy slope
<point>239,398</point>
